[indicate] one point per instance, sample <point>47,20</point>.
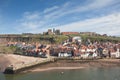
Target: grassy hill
<point>60,38</point>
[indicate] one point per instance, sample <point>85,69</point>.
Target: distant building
<point>14,37</point>
<point>77,38</point>
<point>68,33</point>
<point>53,30</point>
<point>50,31</point>
<point>89,33</point>
<point>57,32</point>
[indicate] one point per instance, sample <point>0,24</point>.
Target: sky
<point>37,16</point>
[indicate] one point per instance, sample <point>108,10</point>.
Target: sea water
<point>78,74</point>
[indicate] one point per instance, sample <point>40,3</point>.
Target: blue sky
<point>36,16</point>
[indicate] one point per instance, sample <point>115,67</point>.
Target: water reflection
<point>81,74</point>
<point>2,76</point>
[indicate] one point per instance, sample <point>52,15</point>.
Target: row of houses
<point>70,49</point>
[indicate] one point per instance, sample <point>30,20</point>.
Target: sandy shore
<point>55,68</point>
<point>77,64</point>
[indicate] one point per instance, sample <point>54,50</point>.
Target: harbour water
<point>78,74</point>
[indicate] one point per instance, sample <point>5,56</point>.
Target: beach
<point>76,64</point>
<point>55,68</point>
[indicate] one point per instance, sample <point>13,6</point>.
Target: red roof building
<point>67,33</point>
